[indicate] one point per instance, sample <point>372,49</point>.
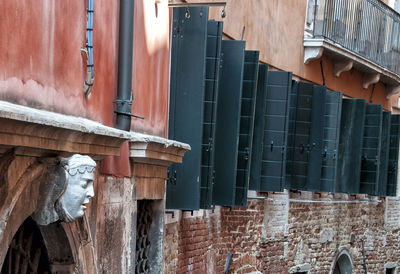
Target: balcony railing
<point>368,28</point>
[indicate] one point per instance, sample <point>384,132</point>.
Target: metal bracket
<point>170,212</point>
<point>171,179</point>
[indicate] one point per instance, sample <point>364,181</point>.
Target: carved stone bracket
<point>342,66</point>
<point>312,53</point>
<point>150,157</point>
<point>370,78</point>
<point>345,59</point>
<point>392,90</point>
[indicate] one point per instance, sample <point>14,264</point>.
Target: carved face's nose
<point>90,191</point>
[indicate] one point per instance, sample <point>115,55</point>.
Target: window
<point>350,145</point>
<point>343,265</point>
<point>271,123</point>
<point>186,111</point>
<point>393,155</point>
<point>371,148</point>
<point>306,137</point>
<point>237,91</point>
<point>212,99</point>
<point>390,270</point>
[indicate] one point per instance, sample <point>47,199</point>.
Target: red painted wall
<point>41,64</point>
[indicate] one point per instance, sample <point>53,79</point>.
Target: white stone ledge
<point>156,150</point>
<point>37,132</point>
<point>48,118</point>
<point>314,48</point>
<point>145,138</point>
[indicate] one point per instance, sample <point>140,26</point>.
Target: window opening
<point>144,221</point>
<point>27,252</point>
<point>390,270</point>
<point>343,265</point>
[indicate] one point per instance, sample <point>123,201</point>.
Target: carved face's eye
<point>84,184</point>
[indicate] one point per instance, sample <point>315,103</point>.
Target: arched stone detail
<point>20,181</point>
<point>20,195</point>
<point>342,251</point>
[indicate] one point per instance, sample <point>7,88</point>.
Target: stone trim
<point>315,48</point>
<point>342,250</point>
<point>156,150</point>
<point>35,132</point>
<point>300,268</point>
<point>150,157</point>
<point>391,265</point>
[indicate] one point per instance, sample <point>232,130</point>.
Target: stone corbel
<point>151,156</point>
<point>342,66</point>
<point>392,90</point>
<point>312,53</point>
<point>370,78</point>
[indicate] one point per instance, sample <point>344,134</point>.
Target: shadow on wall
<point>150,81</point>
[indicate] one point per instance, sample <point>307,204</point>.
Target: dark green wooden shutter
<point>214,40</point>
<point>350,145</point>
<point>393,155</point>
<point>258,132</point>
<point>291,134</point>
<point>306,150</point>
<point>384,154</point>
<point>371,150</point>
<point>333,108</point>
<point>316,138</point>
<point>250,75</point>
<point>188,52</point>
<point>276,122</point>
<point>228,122</point>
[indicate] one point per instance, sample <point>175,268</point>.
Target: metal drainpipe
<point>125,55</point>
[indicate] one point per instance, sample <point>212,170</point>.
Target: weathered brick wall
<point>280,232</point>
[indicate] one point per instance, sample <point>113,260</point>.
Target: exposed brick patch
<point>315,232</point>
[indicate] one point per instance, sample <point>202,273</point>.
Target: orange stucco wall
<point>41,64</point>
<point>276,29</point>
<point>151,67</point>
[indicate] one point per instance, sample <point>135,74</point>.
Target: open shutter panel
<point>316,138</point>
<point>371,150</point>
<point>301,136</point>
<point>228,122</point>
<point>213,55</point>
<point>188,52</point>
<point>393,155</point>
<point>384,154</point>
<point>258,132</point>
<point>291,134</point>
<point>250,75</point>
<point>276,122</point>
<point>350,145</point>
<point>333,108</point>
<point>306,148</point>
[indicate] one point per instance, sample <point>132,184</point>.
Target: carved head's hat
<point>78,163</point>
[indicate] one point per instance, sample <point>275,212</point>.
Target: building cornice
<point>36,132</point>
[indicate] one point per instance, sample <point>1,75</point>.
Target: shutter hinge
<point>171,179</point>
<point>177,30</point>
<point>246,153</point>
<point>213,177</point>
<point>210,143</point>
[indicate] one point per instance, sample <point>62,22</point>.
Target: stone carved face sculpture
<point>66,190</point>
<point>79,188</point>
